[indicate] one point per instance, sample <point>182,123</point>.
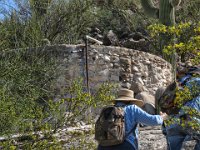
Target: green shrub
<point>27,100</point>
<point>186,36</point>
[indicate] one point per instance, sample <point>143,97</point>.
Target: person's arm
<point>145,118</point>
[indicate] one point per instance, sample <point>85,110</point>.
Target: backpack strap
<point>135,139</point>
<point>132,128</point>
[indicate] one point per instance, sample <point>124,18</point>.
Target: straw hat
<point>127,95</point>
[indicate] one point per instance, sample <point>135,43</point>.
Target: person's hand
<point>164,116</point>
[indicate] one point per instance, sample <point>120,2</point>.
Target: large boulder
<point>137,87</point>
<point>111,39</point>
<point>158,94</point>
<point>149,108</point>
<point>149,101</point>
<point>146,97</point>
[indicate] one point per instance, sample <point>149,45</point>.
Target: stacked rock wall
<point>139,71</point>
<point>136,70</point>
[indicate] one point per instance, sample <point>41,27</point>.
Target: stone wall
<point>139,71</point>
<point>136,70</point>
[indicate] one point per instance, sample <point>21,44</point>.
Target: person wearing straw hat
<point>133,115</point>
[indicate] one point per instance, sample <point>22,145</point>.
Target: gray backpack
<point>110,126</point>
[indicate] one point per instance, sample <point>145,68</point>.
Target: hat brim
<point>137,102</point>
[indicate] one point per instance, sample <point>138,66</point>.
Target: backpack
<point>110,126</point>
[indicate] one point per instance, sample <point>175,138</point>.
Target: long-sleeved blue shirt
<point>135,115</point>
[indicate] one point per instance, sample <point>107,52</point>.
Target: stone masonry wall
<point>136,70</point>
<point>139,71</point>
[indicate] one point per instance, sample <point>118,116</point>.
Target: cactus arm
<point>175,3</point>
<point>166,13</point>
<point>149,8</point>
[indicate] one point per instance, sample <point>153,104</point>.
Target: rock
<point>147,62</point>
<point>111,39</point>
<point>134,44</point>
<point>152,138</point>
<point>126,85</point>
<point>144,71</point>
<point>107,58</point>
<point>135,69</point>
<point>104,73</point>
<point>159,93</point>
<point>138,79</point>
<point>114,78</point>
<point>116,65</point>
<point>146,97</point>
<point>114,59</point>
<point>137,87</point>
<point>124,76</point>
<point>138,74</point>
<point>98,36</point>
<point>149,108</point>
<point>155,79</point>
<point>144,74</point>
<point>125,61</point>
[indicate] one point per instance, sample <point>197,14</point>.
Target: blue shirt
<point>135,115</point>
<point>195,103</point>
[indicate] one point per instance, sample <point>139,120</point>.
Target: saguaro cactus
<point>165,13</point>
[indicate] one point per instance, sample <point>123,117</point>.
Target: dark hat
<point>168,96</point>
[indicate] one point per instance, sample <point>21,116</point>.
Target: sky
<point>6,4</point>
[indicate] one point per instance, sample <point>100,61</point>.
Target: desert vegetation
<point>27,97</point>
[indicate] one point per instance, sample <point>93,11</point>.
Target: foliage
<point>33,22</point>
<point>78,100</point>
<point>189,119</point>
<point>187,48</point>
<point>26,80</point>
<point>182,96</point>
<point>189,11</point>
<point>187,40</point>
<point>165,13</point>
<point>57,21</point>
<point>185,94</point>
<point>29,102</point>
<point>63,21</point>
<point>26,92</point>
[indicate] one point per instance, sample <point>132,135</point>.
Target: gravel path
<point>150,138</point>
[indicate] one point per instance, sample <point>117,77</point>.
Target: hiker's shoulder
<point>194,103</point>
<point>132,108</point>
<point>194,79</point>
<point>196,100</point>
<point>197,79</point>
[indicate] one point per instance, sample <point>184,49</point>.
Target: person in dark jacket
<point>175,133</point>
